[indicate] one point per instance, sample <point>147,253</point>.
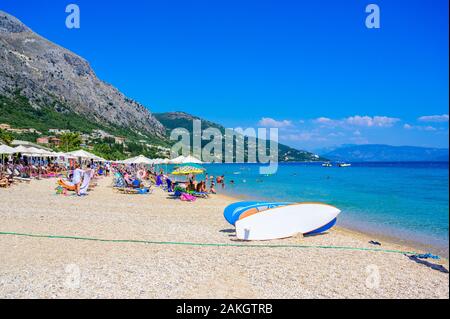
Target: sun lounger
<point>134,191</point>
<point>22,179</point>
<point>67,185</point>
<point>199,194</point>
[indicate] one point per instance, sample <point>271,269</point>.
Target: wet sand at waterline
<point>32,267</point>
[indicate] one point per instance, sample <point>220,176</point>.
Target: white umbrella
<point>141,159</point>
<point>100,159</point>
<point>178,160</point>
<point>61,154</point>
<point>191,159</point>
<point>21,149</point>
<point>5,149</point>
<point>83,154</point>
<point>157,161</point>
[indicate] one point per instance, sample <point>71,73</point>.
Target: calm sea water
<point>405,200</point>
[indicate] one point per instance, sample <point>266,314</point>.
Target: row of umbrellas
<point>27,151</point>
<point>188,164</point>
<point>37,152</point>
<point>141,159</point>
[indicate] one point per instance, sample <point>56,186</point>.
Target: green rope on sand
<point>207,244</point>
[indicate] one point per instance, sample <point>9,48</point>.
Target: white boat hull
<point>285,221</point>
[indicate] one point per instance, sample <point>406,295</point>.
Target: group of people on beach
<point>76,176</point>
<point>139,177</point>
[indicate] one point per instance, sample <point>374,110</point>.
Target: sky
<point>311,68</point>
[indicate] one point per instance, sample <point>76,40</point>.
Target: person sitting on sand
<point>201,187</point>
<point>190,187</point>
<point>4,180</point>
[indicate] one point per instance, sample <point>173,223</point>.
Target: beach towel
<point>77,176</point>
<point>86,181</point>
<point>120,182</point>
<point>187,198</point>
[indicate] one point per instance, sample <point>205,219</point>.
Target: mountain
<point>172,120</point>
<point>57,83</point>
<point>387,153</point>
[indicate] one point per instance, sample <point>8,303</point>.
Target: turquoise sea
<point>408,201</point>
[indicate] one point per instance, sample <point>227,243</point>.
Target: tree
<point>6,137</point>
<point>70,141</point>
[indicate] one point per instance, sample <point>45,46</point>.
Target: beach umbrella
<point>5,149</point>
<point>141,159</point>
<point>188,169</point>
<point>192,159</point>
<point>61,154</point>
<point>177,160</point>
<point>157,161</point>
<point>83,154</point>
<point>21,149</point>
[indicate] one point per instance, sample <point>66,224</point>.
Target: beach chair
<point>66,185</point>
<point>199,194</point>
<point>134,191</point>
<point>22,179</point>
<point>4,183</point>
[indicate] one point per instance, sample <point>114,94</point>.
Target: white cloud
<point>270,122</point>
<point>368,121</point>
<point>323,120</point>
<point>434,118</point>
<point>408,127</point>
<point>357,120</point>
<point>428,128</point>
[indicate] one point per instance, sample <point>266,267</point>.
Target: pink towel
<point>187,197</point>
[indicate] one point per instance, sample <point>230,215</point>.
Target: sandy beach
<point>32,267</point>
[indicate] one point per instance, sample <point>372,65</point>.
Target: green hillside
<point>174,120</point>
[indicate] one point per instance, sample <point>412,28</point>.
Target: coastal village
<point>53,139</point>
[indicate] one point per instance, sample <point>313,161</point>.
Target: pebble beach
<point>158,247</point>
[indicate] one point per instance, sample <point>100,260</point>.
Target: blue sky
<point>311,68</point>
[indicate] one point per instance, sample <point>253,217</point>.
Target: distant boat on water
<point>327,164</point>
<point>344,165</point>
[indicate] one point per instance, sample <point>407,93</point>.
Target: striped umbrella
<point>188,169</point>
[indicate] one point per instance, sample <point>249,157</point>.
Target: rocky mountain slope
<point>49,75</point>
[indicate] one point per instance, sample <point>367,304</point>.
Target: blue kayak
<point>235,210</point>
